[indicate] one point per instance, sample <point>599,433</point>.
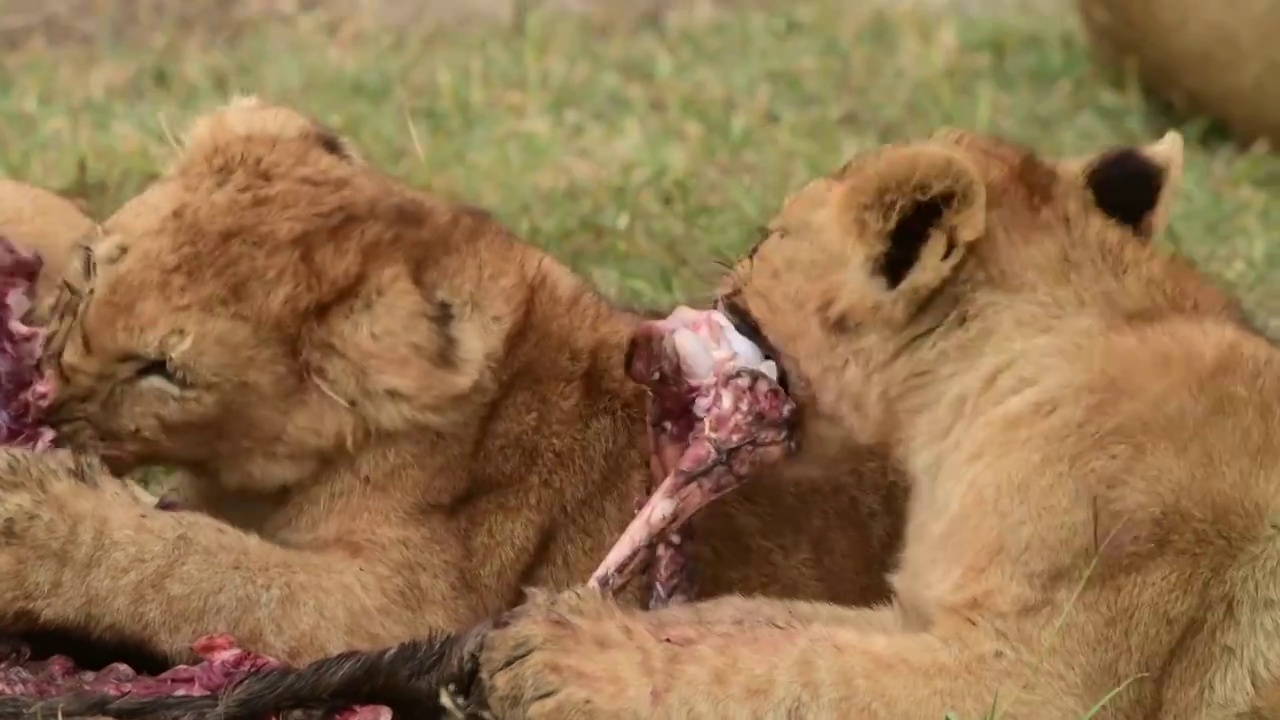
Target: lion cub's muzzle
<point>68,416</point>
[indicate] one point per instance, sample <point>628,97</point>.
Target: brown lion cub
<point>397,416</point>
<point>1092,438</point>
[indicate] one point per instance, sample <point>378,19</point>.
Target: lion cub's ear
<point>224,130</point>
<point>914,209</point>
<point>1135,185</point>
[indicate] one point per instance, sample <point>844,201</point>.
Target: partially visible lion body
<point>1215,59</point>
<point>395,416</point>
<point>1092,436</point>
<point>34,218</point>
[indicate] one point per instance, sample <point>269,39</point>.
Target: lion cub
<point>1092,437</point>
<point>396,414</point>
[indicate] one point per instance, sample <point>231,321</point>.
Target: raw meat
<point>70,693</point>
<point>23,395</point>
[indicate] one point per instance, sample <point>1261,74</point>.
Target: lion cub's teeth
<point>770,368</point>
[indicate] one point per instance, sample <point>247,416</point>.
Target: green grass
<point>637,153</point>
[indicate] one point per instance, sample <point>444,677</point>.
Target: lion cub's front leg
<point>78,550</point>
<point>579,656</point>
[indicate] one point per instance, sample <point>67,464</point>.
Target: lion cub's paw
<point>48,502</point>
<point>36,486</point>
<point>575,655</point>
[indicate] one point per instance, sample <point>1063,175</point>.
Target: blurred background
<point>641,140</point>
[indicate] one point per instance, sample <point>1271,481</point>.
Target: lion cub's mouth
<point>745,323</point>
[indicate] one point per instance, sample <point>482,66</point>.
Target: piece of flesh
<point>23,393</point>
<point>69,692</point>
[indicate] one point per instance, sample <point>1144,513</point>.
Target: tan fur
<point>1212,59</point>
<point>397,416</point>
<point>37,219</point>
<point>1093,442</point>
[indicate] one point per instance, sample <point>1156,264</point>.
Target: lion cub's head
<point>272,303</point>
<point>870,279</point>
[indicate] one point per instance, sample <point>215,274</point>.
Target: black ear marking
<point>909,234</point>
<point>332,143</point>
<point>1126,186</point>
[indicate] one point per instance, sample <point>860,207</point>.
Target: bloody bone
<point>716,414</point>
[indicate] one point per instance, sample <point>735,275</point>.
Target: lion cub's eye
<point>160,369</point>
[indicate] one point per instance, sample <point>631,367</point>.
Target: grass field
<point>638,151</point>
